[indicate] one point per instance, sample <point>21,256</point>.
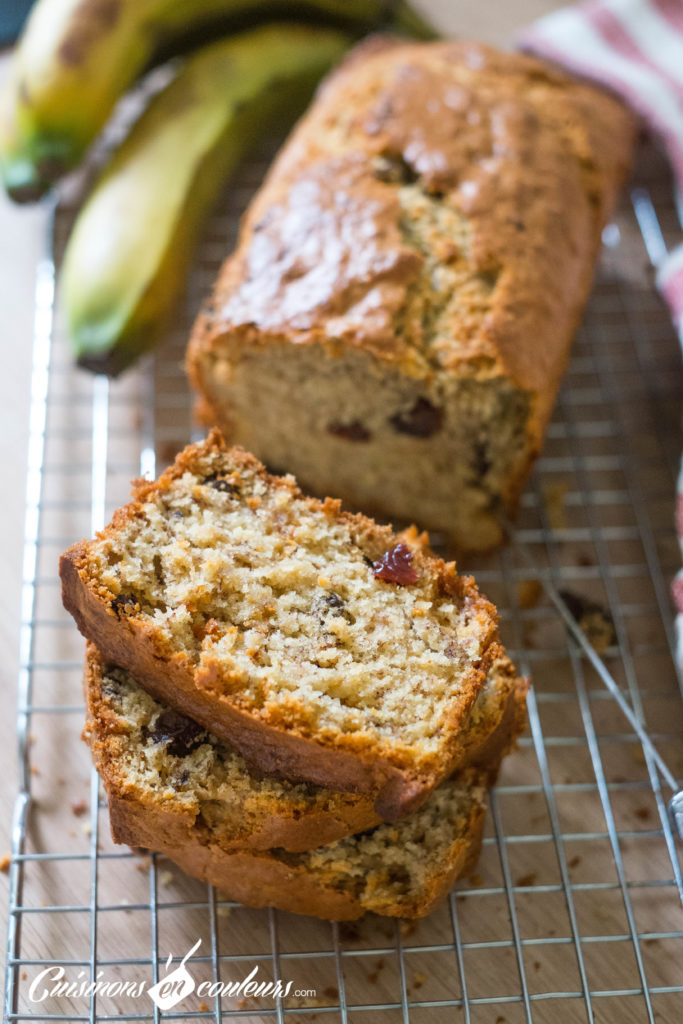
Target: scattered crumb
<point>203,1008</point>
<point>526,880</point>
<point>500,1020</point>
<point>419,980</point>
<point>649,942</point>
<point>165,877</point>
<point>144,866</point>
<point>79,808</point>
<point>554,497</point>
<point>35,770</point>
<point>24,975</point>
<point>309,1001</point>
<point>408,929</point>
<point>72,832</point>
<point>332,992</point>
<point>241,1003</point>
<point>5,861</point>
<point>61,782</point>
<point>643,813</point>
<point>529,593</point>
<point>349,931</point>
<point>584,560</point>
<point>537,965</point>
<point>374,975</point>
<point>603,913</point>
<point>475,881</point>
<point>575,861</point>
<point>594,620</point>
<point>87,828</point>
<point>224,911</point>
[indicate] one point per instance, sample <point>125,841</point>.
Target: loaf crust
<point>176,795</point>
<point>417,160</point>
<point>278,738</point>
<point>298,882</point>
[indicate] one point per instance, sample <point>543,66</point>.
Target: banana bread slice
<point>178,780</point>
<point>394,323</point>
<point>403,869</point>
<point>323,646</point>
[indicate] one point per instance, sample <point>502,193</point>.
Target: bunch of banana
<point>76,58</point>
<point>129,252</point>
<point>132,242</point>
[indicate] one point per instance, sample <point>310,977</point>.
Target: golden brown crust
<point>502,137</point>
<point>260,879</point>
<point>294,824</point>
<point>275,742</point>
<point>529,158</point>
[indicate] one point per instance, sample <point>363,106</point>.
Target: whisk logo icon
<point>177,985</point>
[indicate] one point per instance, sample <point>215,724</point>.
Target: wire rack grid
<point>573,913</point>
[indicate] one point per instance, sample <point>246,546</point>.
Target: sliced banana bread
<point>402,870</point>
<point>178,780</point>
<point>323,646</point>
<point>394,323</point>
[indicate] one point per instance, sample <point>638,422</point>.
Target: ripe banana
<point>132,242</point>
<point>76,58</point>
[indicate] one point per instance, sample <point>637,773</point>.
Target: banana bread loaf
<point>323,646</point>
<point>178,780</point>
<point>394,323</point>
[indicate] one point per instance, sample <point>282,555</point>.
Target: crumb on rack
<point>529,592</point>
<point>408,929</point>
<point>593,619</point>
<point>554,498</point>
<point>419,979</point>
<point>79,808</point>
<point>526,880</point>
<point>165,878</point>
<point>374,975</point>
<point>5,862</point>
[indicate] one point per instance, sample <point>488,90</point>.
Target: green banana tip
<point>111,363</point>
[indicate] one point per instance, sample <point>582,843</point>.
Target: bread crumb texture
<point>380,866</point>
<point>148,753</point>
<point>284,601</point>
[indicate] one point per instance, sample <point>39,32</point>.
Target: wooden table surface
<point>21,240</point>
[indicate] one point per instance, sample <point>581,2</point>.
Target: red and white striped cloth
<point>635,48</point>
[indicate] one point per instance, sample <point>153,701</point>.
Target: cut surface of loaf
<point>180,781</point>
<point>402,870</point>
<point>394,323</point>
<point>324,646</point>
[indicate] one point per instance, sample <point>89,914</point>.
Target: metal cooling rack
<point>573,914</point>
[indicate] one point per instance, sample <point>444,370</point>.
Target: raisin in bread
<point>323,646</point>
<point>178,780</point>
<point>394,323</point>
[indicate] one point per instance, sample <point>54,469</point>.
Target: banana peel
<point>76,58</point>
<point>130,249</point>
